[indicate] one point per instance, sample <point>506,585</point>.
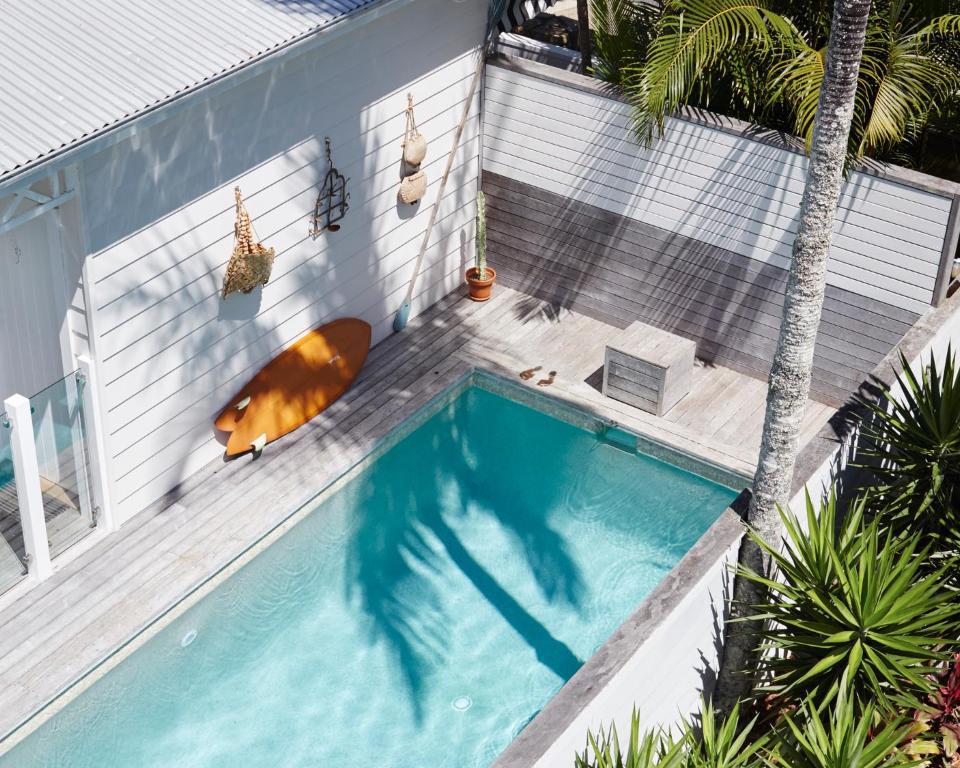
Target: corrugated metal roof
<point>73,68</point>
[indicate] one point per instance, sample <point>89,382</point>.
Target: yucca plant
<point>843,734</point>
<point>914,442</point>
<point>723,743</point>
<point>718,743</point>
<point>651,749</point>
<point>853,608</point>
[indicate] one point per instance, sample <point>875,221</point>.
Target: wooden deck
<point>66,625</point>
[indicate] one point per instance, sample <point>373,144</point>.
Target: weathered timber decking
<point>67,625</point>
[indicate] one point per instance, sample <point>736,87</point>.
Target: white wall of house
<point>42,327</point>
<point>32,308</point>
<point>159,213</point>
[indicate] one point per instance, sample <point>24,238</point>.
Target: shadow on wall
<point>174,352</point>
<point>607,252</point>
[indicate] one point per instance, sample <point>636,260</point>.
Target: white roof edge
<point>30,172</point>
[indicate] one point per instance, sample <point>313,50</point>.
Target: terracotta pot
<point>481,290</point>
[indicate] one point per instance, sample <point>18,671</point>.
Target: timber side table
<point>648,368</point>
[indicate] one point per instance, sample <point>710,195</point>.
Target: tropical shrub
<point>853,609</point>
<point>914,441</point>
<point>719,743</point>
<point>763,60</point>
<point>622,32</point>
<point>938,721</point>
<point>841,735</point>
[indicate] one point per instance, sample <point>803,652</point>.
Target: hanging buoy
<point>414,142</point>
<point>413,188</point>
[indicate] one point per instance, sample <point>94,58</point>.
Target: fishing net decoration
<point>251,262</point>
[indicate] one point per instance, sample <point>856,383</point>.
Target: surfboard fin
<point>243,404</point>
<point>259,442</point>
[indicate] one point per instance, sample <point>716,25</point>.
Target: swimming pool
<point>421,614</point>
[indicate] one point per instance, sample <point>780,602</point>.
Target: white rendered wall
<point>159,226</point>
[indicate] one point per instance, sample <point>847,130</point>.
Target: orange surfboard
<point>296,385</point>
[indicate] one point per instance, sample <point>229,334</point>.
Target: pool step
<point>615,436</point>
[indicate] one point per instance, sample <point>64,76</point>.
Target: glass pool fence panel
<point>12,554</point>
<point>61,440</point>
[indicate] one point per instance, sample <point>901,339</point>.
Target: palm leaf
<point>692,37</point>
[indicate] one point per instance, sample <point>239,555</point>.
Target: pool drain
<point>462,703</point>
<point>188,638</point>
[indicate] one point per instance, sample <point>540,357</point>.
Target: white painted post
<point>96,450</point>
<point>29,495</point>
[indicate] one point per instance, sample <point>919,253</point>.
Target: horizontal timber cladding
<point>558,132</point>
<point>621,270</point>
<point>172,353</point>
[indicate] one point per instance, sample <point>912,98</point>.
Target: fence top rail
<point>906,176</point>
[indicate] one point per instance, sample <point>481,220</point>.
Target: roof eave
<point>92,143</point>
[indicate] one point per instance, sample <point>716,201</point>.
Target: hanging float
<point>414,184</point>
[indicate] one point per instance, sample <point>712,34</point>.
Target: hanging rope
<point>251,263</point>
<point>414,142</point>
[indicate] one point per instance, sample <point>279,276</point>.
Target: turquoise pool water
<point>421,615</point>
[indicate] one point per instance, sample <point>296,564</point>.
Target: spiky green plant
<point>481,237</point>
<point>723,742</point>
<point>853,607</point>
<point>647,751</point>
<point>841,735</point>
<point>718,743</point>
<point>913,438</point>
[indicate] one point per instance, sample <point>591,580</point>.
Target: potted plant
<point>480,277</point>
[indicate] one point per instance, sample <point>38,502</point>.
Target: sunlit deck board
<point>66,625</point>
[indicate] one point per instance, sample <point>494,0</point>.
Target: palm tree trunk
<point>789,383</point>
<point>583,36</point>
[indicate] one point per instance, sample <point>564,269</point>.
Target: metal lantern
<point>332,202</point>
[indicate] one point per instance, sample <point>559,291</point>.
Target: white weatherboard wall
<point>159,214</point>
<point>702,182</point>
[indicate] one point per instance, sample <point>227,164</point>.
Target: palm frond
<point>692,36</point>
<point>622,32</point>
<point>907,84</point>
<point>797,80</point>
<point>942,26</point>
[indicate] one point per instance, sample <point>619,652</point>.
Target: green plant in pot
<point>480,277</point>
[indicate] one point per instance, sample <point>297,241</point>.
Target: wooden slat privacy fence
<point>694,234</point>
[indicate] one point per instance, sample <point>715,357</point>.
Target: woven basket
<point>414,149</point>
<point>413,188</point>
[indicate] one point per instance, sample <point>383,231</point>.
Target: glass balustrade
<point>61,440</point>
<point>12,570</point>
